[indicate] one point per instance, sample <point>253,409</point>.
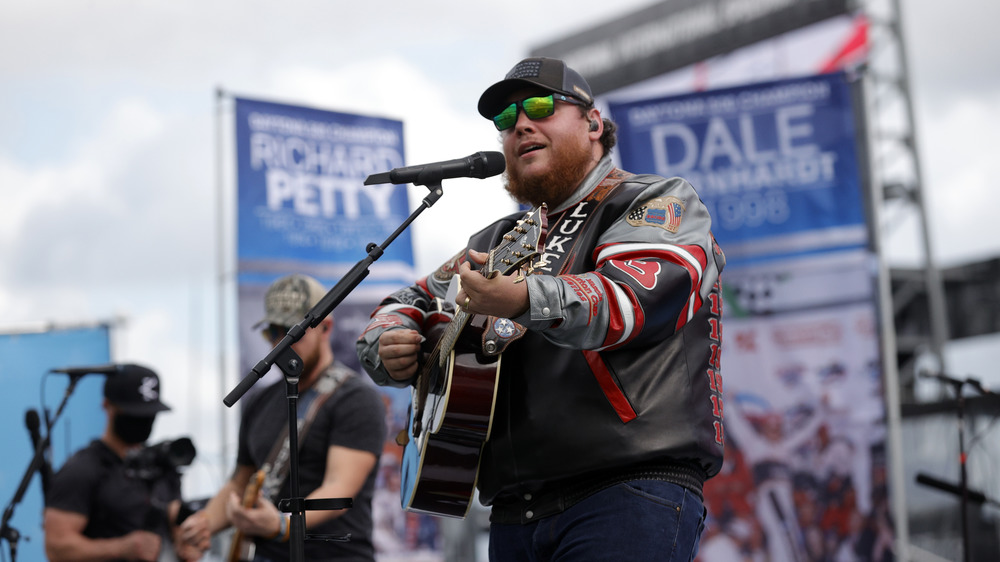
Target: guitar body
<point>441,465</point>
<point>451,412</point>
<point>241,549</point>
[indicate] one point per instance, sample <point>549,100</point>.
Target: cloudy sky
<point>109,148</point>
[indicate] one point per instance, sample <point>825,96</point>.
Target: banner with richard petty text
<point>774,162</point>
<point>303,208</point>
<point>302,198</point>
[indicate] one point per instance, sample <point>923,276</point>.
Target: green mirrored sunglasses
<point>535,108</point>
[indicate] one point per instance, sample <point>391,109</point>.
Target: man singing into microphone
<point>608,414</point>
<point>95,508</point>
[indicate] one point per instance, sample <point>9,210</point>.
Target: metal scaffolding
<point>898,194</point>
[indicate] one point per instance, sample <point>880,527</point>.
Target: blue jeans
<point>641,520</point>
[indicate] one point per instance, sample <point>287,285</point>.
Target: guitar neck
<point>516,247</point>
<point>239,547</point>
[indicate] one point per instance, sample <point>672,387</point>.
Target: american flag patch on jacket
<point>664,212</point>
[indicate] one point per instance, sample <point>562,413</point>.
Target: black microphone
<point>479,165</point>
<point>110,369</point>
<point>928,480</point>
<point>34,423</point>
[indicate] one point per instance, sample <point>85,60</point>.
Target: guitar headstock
<point>523,243</point>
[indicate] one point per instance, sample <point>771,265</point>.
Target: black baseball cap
<point>135,390</point>
<point>551,74</point>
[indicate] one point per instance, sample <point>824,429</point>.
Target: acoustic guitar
<point>451,409</point>
<point>242,549</point>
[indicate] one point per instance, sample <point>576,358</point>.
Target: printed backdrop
<point>775,162</point>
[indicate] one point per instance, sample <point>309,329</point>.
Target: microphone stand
<point>6,531</point>
<point>290,364</point>
<point>963,472</point>
<point>963,483</point>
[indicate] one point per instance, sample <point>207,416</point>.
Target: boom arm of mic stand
<point>330,301</point>
<point>974,496</point>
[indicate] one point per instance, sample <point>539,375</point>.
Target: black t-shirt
<point>94,482</point>
<point>353,417</point>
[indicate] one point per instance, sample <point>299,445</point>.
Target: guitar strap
<point>561,243</point>
<point>501,332</point>
<point>276,465</point>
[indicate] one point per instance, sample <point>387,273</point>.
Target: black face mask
<point>133,429</point>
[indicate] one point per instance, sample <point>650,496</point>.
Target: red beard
<point>570,165</point>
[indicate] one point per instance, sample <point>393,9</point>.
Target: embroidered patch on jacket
<point>504,327</point>
<point>383,321</point>
<point>664,212</point>
<point>449,268</point>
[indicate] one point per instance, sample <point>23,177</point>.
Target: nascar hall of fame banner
<point>302,198</point>
<point>303,208</point>
<point>774,162</point>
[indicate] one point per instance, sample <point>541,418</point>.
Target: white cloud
<point>959,156</point>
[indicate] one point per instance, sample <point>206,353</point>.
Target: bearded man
<point>608,406</point>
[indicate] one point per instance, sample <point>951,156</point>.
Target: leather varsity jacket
<point>619,367</point>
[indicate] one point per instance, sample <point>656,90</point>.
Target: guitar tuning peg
<point>520,276</point>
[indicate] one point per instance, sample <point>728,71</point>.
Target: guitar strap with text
<point>499,333</point>
<point>276,465</point>
<point>562,238</point>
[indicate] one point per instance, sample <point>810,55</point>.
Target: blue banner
<point>302,203</point>
<point>775,162</point>
<point>28,385</point>
<point>303,208</point>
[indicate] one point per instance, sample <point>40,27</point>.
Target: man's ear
<point>595,120</point>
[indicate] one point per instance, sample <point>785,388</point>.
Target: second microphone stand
<point>8,533</point>
<point>958,384</point>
